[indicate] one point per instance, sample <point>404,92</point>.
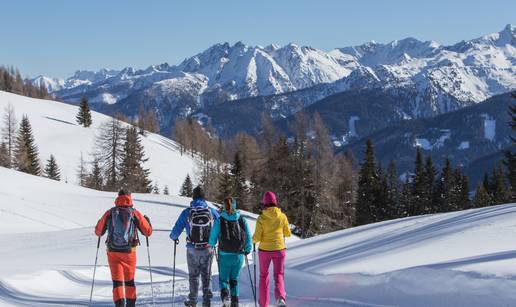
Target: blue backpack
<point>122,234</point>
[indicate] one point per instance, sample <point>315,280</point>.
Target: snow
<point>352,127</point>
<point>438,143</point>
<point>56,132</point>
<point>455,259</point>
<point>463,145</point>
<point>489,127</point>
<point>423,143</point>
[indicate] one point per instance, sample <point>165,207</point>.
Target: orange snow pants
<point>123,266</point>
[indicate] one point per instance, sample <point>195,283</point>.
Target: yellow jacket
<point>271,228</point>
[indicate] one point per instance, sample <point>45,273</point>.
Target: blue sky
<point>57,37</point>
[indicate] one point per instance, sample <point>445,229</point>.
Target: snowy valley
<point>48,244</point>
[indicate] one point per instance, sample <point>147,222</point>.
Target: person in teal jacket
<point>234,237</point>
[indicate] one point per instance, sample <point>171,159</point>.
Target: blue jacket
<point>215,232</point>
<point>182,221</point>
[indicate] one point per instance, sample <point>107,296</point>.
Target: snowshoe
<point>281,302</point>
<point>234,301</point>
<point>189,303</point>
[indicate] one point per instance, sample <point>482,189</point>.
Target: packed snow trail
<point>465,258</point>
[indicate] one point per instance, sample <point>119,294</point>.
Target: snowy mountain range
<point>434,78</point>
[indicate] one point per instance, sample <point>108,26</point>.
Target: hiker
<point>198,221</point>
<point>271,229</point>
<point>232,233</point>
<point>121,222</point>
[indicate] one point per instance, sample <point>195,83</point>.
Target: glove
<point>247,252</point>
<point>148,220</point>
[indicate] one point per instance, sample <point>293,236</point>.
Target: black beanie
<point>198,193</point>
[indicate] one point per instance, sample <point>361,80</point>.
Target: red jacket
<point>125,201</point>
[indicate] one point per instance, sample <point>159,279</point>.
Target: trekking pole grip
<point>98,242</point>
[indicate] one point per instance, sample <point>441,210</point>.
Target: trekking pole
<point>94,270</point>
<point>254,264</point>
<point>150,270</point>
<point>251,280</point>
<point>174,275</point>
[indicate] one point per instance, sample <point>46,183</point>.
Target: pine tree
<point>94,179</point>
<point>405,200</point>
<point>461,191</point>
<point>133,175</point>
<point>52,169</point>
<point>166,191</point>
<point>393,186</point>
<point>225,185</point>
<point>498,186</point>
<point>368,179</point>
<point>155,188</point>
<point>444,189</point>
<point>187,187</point>
<point>419,186</point>
<point>84,116</point>
<point>429,182</point>
<point>510,164</point>
<point>26,151</point>
<point>482,197</point>
<point>240,188</point>
<point>4,155</point>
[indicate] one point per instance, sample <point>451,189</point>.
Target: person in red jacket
<point>122,222</point>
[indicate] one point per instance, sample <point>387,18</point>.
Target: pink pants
<point>278,261</point>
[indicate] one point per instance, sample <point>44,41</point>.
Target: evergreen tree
<point>383,205</point>
<point>187,187</point>
<point>166,191</point>
<point>52,169</point>
<point>482,197</point>
<point>26,151</point>
<point>445,189</point>
<point>155,188</point>
<point>429,182</point>
<point>133,175</point>
<point>405,200</point>
<point>510,164</point>
<point>240,189</point>
<point>4,155</point>
<point>461,191</point>
<point>367,182</point>
<point>226,185</point>
<point>498,186</point>
<point>84,116</point>
<point>419,186</point>
<point>95,180</point>
<point>393,187</point>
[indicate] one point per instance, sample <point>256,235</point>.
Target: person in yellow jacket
<point>271,229</point>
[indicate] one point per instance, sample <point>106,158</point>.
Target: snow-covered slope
<point>57,133</point>
<point>456,259</point>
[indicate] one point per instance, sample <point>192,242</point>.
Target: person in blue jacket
<point>234,238</point>
<point>198,221</point>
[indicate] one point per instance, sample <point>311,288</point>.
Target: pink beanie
<point>269,198</point>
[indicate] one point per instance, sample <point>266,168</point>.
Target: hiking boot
<point>281,302</point>
<point>189,303</point>
<point>234,301</point>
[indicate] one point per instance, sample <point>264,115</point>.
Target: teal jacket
<point>215,232</point>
